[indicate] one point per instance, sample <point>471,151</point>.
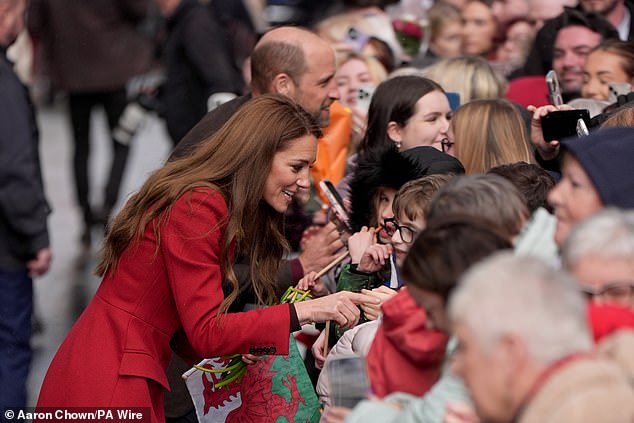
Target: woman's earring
<point>398,145</point>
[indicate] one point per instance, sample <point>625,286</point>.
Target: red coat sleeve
<point>191,247</point>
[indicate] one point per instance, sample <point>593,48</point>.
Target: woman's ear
<point>394,132</point>
<point>283,84</point>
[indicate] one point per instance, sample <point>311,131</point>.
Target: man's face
<point>11,20</point>
<point>572,45</point>
<point>486,372</point>
<point>602,7</point>
<point>316,89</point>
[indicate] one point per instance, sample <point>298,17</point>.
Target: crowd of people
<point>479,270</point>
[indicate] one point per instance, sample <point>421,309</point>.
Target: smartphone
<point>336,202</point>
<point>615,89</point>
<point>554,90</point>
<point>563,123</point>
<point>364,97</point>
<point>356,38</point>
<point>582,128</point>
<point>348,379</point>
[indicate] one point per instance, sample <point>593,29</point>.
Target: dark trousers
<point>16,307</point>
<point>81,106</point>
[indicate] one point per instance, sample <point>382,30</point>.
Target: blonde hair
<point>376,69</point>
<point>490,133</point>
<point>439,15</point>
<point>470,76</point>
<point>236,162</point>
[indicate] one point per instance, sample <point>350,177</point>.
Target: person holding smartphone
<point>608,71</point>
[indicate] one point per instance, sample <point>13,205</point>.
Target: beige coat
<point>588,390</point>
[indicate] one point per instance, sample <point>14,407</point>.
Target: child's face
<point>383,210</point>
<point>408,229</point>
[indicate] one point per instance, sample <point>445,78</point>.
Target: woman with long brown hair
<point>166,266</point>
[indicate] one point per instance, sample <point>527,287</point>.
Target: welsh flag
<point>276,389</point>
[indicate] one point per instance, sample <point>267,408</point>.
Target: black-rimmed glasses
<point>391,226</point>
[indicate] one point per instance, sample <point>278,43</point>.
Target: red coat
<point>405,356</point>
<point>118,350</point>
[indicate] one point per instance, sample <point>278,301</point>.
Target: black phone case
<point>563,123</point>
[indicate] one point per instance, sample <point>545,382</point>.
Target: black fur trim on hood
<point>392,169</point>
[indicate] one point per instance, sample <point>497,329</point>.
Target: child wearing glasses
<point>402,317</point>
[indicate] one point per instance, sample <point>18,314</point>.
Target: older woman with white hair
<point>600,254</point>
<point>524,344</point>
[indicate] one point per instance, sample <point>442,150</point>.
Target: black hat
<point>607,156</point>
<point>392,170</point>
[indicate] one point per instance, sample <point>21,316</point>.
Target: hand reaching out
<point>340,307</point>
<point>315,285</point>
<point>374,258</point>
<point>383,293</point>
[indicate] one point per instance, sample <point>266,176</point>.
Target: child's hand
<point>373,311</point>
<point>315,285</point>
<point>460,413</point>
<point>359,242</point>
<point>374,258</point>
<point>318,350</point>
<point>335,415</point>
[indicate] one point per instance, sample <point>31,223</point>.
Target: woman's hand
<point>374,258</point>
<point>315,285</point>
<point>383,293</point>
<point>250,358</point>
<point>359,126</point>
<point>340,307</point>
<point>547,150</point>
<point>359,242</point>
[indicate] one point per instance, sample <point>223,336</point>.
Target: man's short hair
<point>273,58</point>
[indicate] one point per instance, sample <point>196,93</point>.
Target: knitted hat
<point>391,170</point>
<point>607,156</point>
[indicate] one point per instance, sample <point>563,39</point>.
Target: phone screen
<point>348,380</point>
<point>336,202</point>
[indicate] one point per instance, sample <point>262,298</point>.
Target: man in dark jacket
<point>24,243</point>
<point>197,64</point>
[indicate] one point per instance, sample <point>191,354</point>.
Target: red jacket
<point>405,356</point>
<point>117,352</point>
